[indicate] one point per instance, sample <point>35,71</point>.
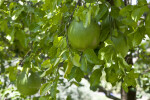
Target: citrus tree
<point>43,42</point>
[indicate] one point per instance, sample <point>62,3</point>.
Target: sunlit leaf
<point>103,10</point>
<point>138,12</point>
<point>16,13</point>
<point>76,60</point>
<point>68,69</point>
<point>83,64</point>
<point>46,64</point>
<point>1,2</point>
<point>45,88</point>
<point>107,53</point>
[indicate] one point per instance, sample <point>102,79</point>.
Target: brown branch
<point>110,1</point>
<point>78,3</point>
<point>146,71</point>
<point>101,89</point>
<point>27,54</point>
<point>107,93</point>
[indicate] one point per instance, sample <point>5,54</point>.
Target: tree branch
<point>146,71</point>
<point>78,3</point>
<point>107,93</point>
<point>110,1</point>
<point>101,89</point>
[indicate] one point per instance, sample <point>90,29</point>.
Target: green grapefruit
<point>28,83</point>
<point>82,38</point>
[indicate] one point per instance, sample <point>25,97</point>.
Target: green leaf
<point>56,62</point>
<point>125,87</point>
<point>107,53</point>
<point>47,72</point>
<point>95,9</point>
<point>50,5</point>
<point>12,34</point>
<point>1,82</point>
<point>53,90</point>
<point>105,29</point>
<point>1,2</point>
<point>91,57</point>
<point>90,1</point>
<point>45,98</point>
<point>103,10</point>
<point>114,12</point>
<point>129,21</point>
<point>20,35</point>
<point>56,19</point>
<point>95,79</point>
<point>69,97</point>
<point>113,73</point>
<point>118,3</point>
<point>129,80</point>
<point>75,83</point>
<point>137,36</point>
<point>120,44</point>
<point>4,26</point>
<point>126,11</point>
<point>78,13</point>
<point>86,17</point>
<point>52,51</point>
<point>34,27</point>
<point>138,12</point>
<point>46,64</point>
<point>68,69</point>
<point>147,24</point>
<point>76,60</point>
<point>79,75</point>
<point>72,73</point>
<point>16,13</point>
<point>57,41</point>
<point>142,2</point>
<point>123,64</point>
<point>12,73</point>
<point>45,88</point>
<point>90,67</point>
<point>34,1</point>
<point>76,73</point>
<point>83,66</point>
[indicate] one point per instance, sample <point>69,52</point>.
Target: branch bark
<point>131,95</point>
<point>108,93</point>
<point>146,71</point>
<point>111,2</point>
<point>101,89</point>
<point>127,2</point>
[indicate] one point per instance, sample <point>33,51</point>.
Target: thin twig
<point>21,61</point>
<point>145,72</point>
<point>78,3</point>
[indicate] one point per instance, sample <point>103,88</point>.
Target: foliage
<point>35,32</point>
